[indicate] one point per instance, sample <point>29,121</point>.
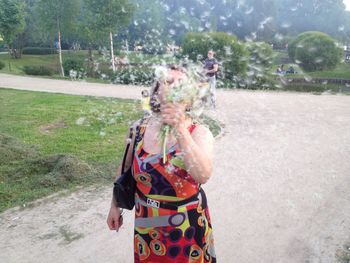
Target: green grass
<point>28,115</point>
<point>342,71</point>
<point>14,66</point>
<point>51,142</point>
<point>318,88</point>
<point>139,58</point>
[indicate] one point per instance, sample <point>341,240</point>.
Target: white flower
<point>161,73</point>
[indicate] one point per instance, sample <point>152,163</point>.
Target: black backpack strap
<point>135,141</point>
<point>127,148</point>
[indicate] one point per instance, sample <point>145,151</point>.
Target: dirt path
<point>69,87</point>
<point>280,190</point>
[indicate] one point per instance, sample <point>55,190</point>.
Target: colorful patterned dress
<point>169,233</point>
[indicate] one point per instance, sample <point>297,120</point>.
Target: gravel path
<point>280,190</point>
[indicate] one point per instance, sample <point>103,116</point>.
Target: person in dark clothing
<point>211,67</point>
<point>290,70</point>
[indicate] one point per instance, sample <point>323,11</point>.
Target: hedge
<point>292,44</point>
<point>38,70</point>
<point>133,75</point>
<point>73,64</point>
<point>2,65</point>
<point>318,51</point>
<point>229,51</point>
<point>38,51</point>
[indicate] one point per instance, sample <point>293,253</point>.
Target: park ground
<point>279,192</point>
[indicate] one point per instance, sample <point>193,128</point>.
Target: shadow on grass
<point>25,175</point>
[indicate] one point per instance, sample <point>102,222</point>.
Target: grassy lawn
<point>14,66</point>
<point>342,71</point>
<point>139,58</point>
<point>54,142</point>
<point>50,142</point>
<point>318,88</point>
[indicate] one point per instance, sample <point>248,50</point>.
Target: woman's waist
<point>168,192</point>
<point>167,202</point>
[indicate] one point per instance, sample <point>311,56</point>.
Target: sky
<point>347,4</point>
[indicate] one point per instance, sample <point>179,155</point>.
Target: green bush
<point>73,64</point>
<point>231,53</point>
<point>153,49</point>
<point>317,52</point>
<point>133,75</point>
<point>295,42</point>
<point>260,54</point>
<point>38,70</point>
<point>38,51</point>
<point>2,65</point>
<point>292,44</point>
<point>261,60</point>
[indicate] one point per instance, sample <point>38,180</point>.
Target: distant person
<point>290,70</point>
<point>279,70</point>
<point>211,67</point>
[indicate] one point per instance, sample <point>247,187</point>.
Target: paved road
<point>280,190</point>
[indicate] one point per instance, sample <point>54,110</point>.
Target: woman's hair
<point>154,92</point>
<point>154,101</point>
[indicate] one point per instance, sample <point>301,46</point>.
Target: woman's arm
<point>128,159</point>
<point>198,152</point>
<point>196,147</point>
<point>114,218</point>
<point>214,70</point>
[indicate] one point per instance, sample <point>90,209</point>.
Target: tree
<point>296,16</point>
<point>109,16</point>
<point>317,51</point>
<point>147,27</point>
<point>88,33</point>
<point>58,16</point>
<point>292,45</point>
<point>231,53</point>
<point>12,22</point>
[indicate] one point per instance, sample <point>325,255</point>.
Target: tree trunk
<point>9,47</point>
<point>60,53</point>
<point>51,41</point>
<point>20,44</point>
<point>112,51</point>
<point>91,72</point>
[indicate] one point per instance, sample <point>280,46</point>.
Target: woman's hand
<point>173,114</point>
<point>115,218</point>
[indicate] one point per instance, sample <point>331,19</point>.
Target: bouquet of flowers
<point>189,91</point>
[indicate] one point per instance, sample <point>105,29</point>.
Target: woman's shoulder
<point>139,122</point>
<point>201,131</point>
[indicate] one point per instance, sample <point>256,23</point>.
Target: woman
<point>172,222</point>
